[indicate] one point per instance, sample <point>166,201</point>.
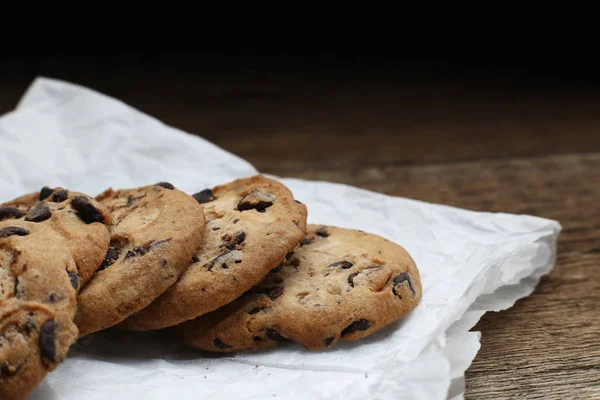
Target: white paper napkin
<point>470,263</point>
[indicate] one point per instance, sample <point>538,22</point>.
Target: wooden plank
<point>337,120</point>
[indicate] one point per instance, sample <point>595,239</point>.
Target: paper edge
<point>440,206</point>
<point>458,384</point>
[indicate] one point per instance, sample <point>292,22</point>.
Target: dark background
<point>440,87</point>
<point>359,44</point>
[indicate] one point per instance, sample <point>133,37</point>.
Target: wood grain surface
<point>478,146</point>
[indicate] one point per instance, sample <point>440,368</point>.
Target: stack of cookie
<point>231,268</point>
<point>51,243</point>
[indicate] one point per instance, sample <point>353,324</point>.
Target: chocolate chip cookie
<point>76,216</point>
<point>341,284</point>
<point>155,231</point>
<point>253,224</point>
<point>37,304</point>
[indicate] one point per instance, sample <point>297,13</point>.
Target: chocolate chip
<point>219,344</point>
<point>256,200</point>
<point>138,251</point>
<point>204,196</point>
<point>74,278</point>
<point>166,185</point>
<point>240,237</point>
<point>327,341</point>
<point>276,293</point>
<point>195,259</point>
<point>216,228</point>
<point>403,277</point>
<point>53,298</point>
<point>7,369</point>
<point>257,339</point>
<point>13,230</point>
<point>159,242</point>
<point>4,368</point>
<point>358,325</point>
<point>235,221</point>
<point>306,241</point>
<point>322,232</point>
<point>274,335</point>
<point>8,212</point>
<point>232,243</point>
<point>112,255</point>
<point>45,192</point>
<point>343,264</point>
<point>276,269</point>
<point>47,340</point>
<point>273,292</point>
<point>351,278</point>
<point>294,261</point>
<point>289,255</point>
<point>255,310</point>
<point>60,196</point>
<point>224,259</point>
<point>18,290</point>
<point>86,210</point>
<point>129,200</point>
<point>298,201</point>
<point>39,213</point>
<point>144,249</point>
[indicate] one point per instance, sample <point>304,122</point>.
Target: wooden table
<point>476,145</point>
